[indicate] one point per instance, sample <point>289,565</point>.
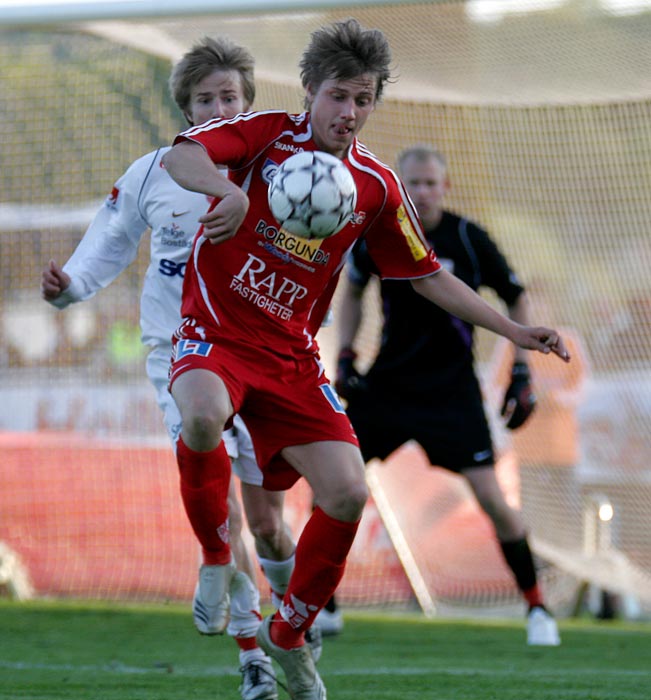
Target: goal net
<point>543,109</point>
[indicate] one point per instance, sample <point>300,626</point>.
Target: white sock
<point>251,655</point>
<point>278,574</point>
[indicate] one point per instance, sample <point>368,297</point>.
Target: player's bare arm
<point>456,297</point>
<point>519,313</point>
<point>191,167</point>
<point>54,281</point>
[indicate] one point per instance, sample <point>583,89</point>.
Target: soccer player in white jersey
<point>253,297</point>
<point>214,79</point>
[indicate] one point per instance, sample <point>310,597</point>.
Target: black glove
<point>348,379</point>
<point>519,400</point>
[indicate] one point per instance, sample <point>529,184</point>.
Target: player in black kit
<point>422,385</point>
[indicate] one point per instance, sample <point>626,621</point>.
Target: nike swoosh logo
<point>179,213</point>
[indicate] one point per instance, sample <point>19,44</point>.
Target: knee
<point>347,503</point>
<point>202,426</point>
<point>496,511</point>
<point>267,530</point>
<point>507,522</point>
<point>358,498</point>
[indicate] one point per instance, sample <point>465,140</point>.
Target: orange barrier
<point>103,519</point>
<point>94,518</point>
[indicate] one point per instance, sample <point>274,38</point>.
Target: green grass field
<point>96,651</point>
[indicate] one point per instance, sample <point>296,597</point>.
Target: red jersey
<point>265,286</point>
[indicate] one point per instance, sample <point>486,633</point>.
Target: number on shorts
<point>332,397</point>
<point>192,347</point>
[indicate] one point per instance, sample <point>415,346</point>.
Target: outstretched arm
<point>109,246</point>
<point>110,243</point>
<point>190,165</point>
<point>519,313</point>
<point>456,297</point>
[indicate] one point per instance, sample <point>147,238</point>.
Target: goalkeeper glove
<point>519,399</point>
<point>348,378</point>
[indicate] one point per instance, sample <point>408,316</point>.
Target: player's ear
<point>309,94</point>
<point>188,118</point>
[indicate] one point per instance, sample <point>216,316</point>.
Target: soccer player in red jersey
<point>253,298</point>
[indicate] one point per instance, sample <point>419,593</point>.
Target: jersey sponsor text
<point>300,247</point>
<point>267,290</point>
<point>416,246</point>
<point>170,268</point>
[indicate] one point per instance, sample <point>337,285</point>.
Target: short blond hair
<point>421,152</point>
<point>205,57</point>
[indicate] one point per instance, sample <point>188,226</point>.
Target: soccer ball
<point>312,195</point>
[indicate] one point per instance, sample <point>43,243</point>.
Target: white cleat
<point>258,680</point>
<point>542,629</point>
<point>211,602</point>
<point>330,623</point>
<point>303,680</point>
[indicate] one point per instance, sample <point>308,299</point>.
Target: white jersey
<point>144,198</point>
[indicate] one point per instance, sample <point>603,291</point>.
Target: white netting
<point>545,117</point>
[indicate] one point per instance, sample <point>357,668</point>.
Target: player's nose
<point>220,110</point>
<point>347,109</point>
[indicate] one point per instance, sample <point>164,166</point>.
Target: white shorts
<point>158,365</point>
<point>239,445</point>
<point>240,449</point>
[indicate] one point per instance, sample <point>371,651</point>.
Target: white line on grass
<point>168,667</point>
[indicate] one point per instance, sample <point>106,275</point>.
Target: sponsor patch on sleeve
<point>416,246</point>
<point>112,199</point>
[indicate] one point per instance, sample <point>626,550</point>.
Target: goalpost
<point>543,111</point>
<point>26,12</point>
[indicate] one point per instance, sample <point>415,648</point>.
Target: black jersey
<point>425,349</point>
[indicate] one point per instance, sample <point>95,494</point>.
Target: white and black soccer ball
<point>312,195</point>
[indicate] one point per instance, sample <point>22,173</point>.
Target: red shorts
<point>284,401</point>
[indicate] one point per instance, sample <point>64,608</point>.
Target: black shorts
<point>451,428</point>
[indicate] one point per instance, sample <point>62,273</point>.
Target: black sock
<point>520,560</point>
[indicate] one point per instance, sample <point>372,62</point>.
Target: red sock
<point>246,643</point>
<point>534,597</point>
<point>321,554</point>
<point>283,634</point>
<point>205,478</point>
